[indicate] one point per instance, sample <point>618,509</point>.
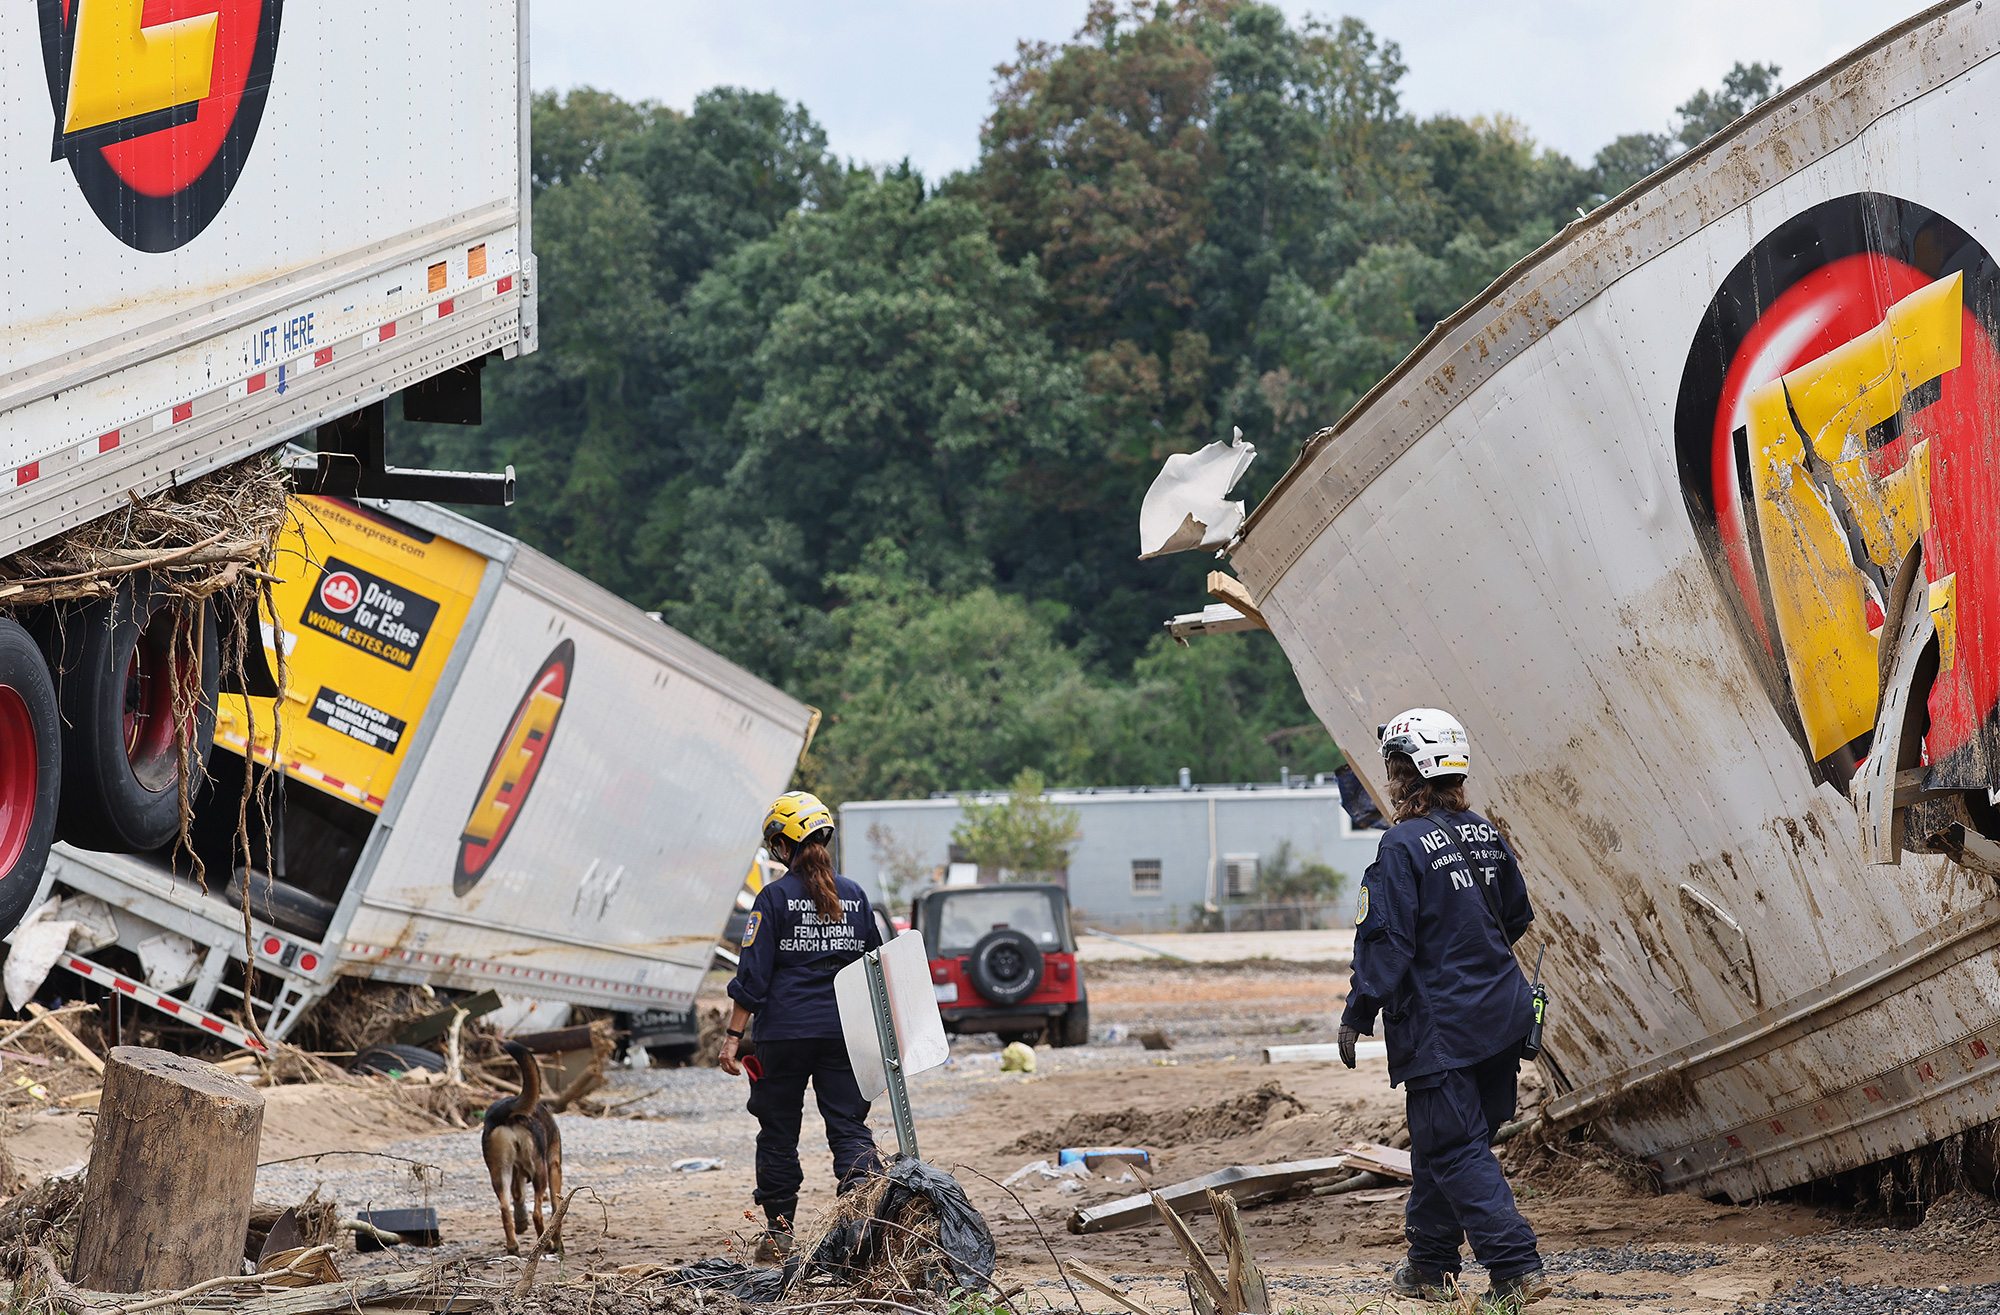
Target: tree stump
<point>173,1169</point>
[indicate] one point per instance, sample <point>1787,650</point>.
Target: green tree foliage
<point>1025,835</point>
<point>1289,879</point>
<point>1744,88</point>
<point>883,441</point>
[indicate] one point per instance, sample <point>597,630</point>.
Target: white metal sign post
<point>889,1017</point>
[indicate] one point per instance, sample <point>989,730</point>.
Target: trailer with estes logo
<point>1692,518</point>
<point>228,225</point>
<point>488,773</point>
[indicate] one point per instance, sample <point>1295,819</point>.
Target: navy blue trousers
<point>778,1100</point>
<point>1459,1193</point>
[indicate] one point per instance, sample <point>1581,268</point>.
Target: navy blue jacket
<point>785,976</point>
<point>1428,956</point>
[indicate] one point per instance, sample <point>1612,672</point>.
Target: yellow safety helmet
<point>796,815</point>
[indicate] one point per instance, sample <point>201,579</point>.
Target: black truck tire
<point>30,770</point>
<point>284,906</point>
<point>1006,966</point>
<point>118,664</point>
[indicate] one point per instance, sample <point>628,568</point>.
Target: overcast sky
<point>913,78</point>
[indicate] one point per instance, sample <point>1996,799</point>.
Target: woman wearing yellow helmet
<point>805,927</point>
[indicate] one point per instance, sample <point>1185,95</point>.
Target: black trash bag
<point>964,1241</point>
<point>751,1283</point>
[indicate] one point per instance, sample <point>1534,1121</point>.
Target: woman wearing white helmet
<point>805,927</point>
<point>1435,919</point>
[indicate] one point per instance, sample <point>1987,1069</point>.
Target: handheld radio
<point>1532,1047</point>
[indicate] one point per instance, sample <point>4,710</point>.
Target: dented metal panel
<point>1692,455</point>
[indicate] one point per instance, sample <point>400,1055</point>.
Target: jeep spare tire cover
<point>1006,966</point>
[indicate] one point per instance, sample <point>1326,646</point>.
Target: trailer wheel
<point>30,770</point>
<point>122,668</point>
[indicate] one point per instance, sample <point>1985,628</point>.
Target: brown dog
<point>522,1145</point>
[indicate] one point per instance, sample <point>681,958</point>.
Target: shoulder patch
<point>1360,908</point>
<point>750,929</point>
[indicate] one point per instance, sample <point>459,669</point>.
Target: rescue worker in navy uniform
<point>805,927</point>
<point>1434,920</point>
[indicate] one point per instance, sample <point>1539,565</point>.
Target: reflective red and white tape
<point>166,1004</point>
<point>278,378</point>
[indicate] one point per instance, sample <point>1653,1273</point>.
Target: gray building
<point>1149,857</point>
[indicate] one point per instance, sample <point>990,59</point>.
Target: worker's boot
<point>1512,1293</point>
<point>776,1246</point>
<point>1428,1284</point>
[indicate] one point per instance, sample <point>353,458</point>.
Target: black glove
<point>1348,1036</point>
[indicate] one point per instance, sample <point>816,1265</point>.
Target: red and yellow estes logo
<point>516,764</point>
<point>156,103</point>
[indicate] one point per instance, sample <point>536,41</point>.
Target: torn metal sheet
<point>1187,506</point>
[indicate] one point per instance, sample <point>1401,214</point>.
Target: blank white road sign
<point>906,971</point>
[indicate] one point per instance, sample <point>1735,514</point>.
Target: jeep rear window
<point>965,917</point>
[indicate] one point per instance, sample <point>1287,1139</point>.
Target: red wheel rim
<point>20,774</point>
<point>149,703</point>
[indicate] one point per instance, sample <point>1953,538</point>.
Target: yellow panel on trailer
<point>369,609</point>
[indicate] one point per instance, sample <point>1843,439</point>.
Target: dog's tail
<point>531,1077</point>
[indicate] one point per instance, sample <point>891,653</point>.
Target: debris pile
<point>1234,1117</point>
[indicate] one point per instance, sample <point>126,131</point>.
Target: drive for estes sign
<point>156,120</point>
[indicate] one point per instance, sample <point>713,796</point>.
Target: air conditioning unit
<point>1239,874</point>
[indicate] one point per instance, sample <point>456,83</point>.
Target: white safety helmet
<point>1433,739</point>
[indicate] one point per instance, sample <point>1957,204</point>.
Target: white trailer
<point>501,777</point>
<point>220,232</point>
<point>1691,517</point>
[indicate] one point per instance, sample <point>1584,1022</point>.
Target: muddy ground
<point>1208,1103</point>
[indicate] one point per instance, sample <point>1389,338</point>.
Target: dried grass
<point>201,538</point>
<point>43,1216</point>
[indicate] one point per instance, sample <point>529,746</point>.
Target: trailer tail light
<point>308,962</point>
<point>273,946</point>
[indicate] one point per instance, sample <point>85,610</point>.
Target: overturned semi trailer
<point>1694,518</point>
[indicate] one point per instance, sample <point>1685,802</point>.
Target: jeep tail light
<point>940,973</point>
<point>1062,971</point>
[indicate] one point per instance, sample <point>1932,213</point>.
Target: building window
<point>1145,876</point>
<point>1239,875</point>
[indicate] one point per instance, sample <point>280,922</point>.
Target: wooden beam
<point>1247,1292</point>
<point>67,1037</point>
<point>1199,1270</point>
<point>1248,1182</point>
<point>1108,1286</point>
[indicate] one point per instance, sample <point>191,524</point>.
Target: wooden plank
<point>1108,1286</point>
<point>1247,1292</point>
<point>67,1037</point>
<point>1376,1158</point>
<point>557,1041</point>
<point>432,1026</point>
<point>1248,1182</point>
<point>339,1296</point>
<point>1199,1270</point>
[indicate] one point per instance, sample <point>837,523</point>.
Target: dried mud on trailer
<point>489,774</point>
<point>1691,518</point>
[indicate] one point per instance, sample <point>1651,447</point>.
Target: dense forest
<point>882,439</point>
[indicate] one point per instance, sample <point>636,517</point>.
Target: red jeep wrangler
<point>1003,960</point>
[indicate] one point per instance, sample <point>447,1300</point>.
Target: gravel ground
<point>1623,1260</point>
<point>1835,1296</point>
